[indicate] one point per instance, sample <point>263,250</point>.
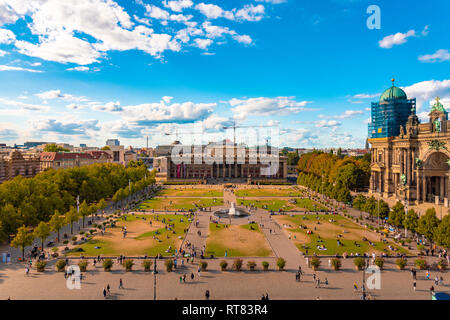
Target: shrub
<point>315,263</point>
<point>265,265</point>
<point>223,265</point>
<point>420,247</point>
<point>74,238</point>
<point>83,265</point>
<point>281,263</point>
<point>60,264</point>
<point>336,263</point>
<point>359,263</point>
<point>128,264</point>
<point>379,262</point>
<point>169,265</point>
<point>401,263</point>
<point>91,231</point>
<point>55,249</point>
<point>237,265</point>
<point>107,264</point>
<point>421,264</point>
<point>40,266</point>
<point>65,241</point>
<point>251,265</point>
<point>203,265</point>
<point>81,232</point>
<point>442,264</point>
<point>147,265</point>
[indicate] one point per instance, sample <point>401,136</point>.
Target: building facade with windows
<point>413,165</point>
<point>18,164</point>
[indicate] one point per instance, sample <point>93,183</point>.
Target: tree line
<point>333,175</point>
<point>29,201</point>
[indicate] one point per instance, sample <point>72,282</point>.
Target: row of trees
<point>427,225</point>
<point>28,201</point>
<point>333,175</point>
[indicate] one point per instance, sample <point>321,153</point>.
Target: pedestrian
<point>432,290</point>
<point>414,285</point>
<point>267,296</point>
<point>108,288</point>
<point>120,283</point>
<point>326,282</point>
<point>192,276</point>
<point>104,293</point>
<point>263,297</point>
<point>207,294</point>
<point>355,286</point>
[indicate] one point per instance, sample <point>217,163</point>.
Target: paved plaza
<point>223,285</point>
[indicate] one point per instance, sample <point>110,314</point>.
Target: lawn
<point>290,192</point>
<point>267,204</point>
<point>325,233</point>
<point>238,241</point>
<point>191,192</point>
<point>185,204</point>
<point>309,205</point>
<point>142,238</point>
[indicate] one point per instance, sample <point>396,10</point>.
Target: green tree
<point>54,148</point>
<point>22,239</point>
<point>443,232</point>
<point>10,219</point>
<point>56,223</point>
<point>106,148</point>
<point>411,221</point>
<point>428,224</point>
<point>292,158</point>
<point>42,231</point>
<point>397,214</point>
<point>84,210</point>
<point>102,204</point>
<point>71,217</point>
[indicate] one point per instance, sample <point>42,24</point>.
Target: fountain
<point>232,212</point>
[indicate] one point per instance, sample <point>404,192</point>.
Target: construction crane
<point>234,126</point>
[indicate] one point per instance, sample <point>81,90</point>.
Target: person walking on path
<point>120,283</point>
<point>414,285</point>
<point>207,294</point>
<point>104,293</point>
<point>192,276</point>
<point>108,289</point>
<point>355,286</point>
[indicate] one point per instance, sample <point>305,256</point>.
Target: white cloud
<point>212,11</point>
<point>426,91</point>
<point>266,106</point>
<point>327,123</point>
<point>73,106</point>
<point>440,55</point>
<point>251,13</point>
<point>396,39</point>
<point>365,96</point>
<point>109,107</point>
<point>243,39</point>
<point>272,1</point>
<point>11,68</point>
<point>56,94</point>
<point>3,53</point>
<point>161,112</point>
<point>78,69</point>
<point>7,14</point>
<point>167,99</point>
<point>72,127</point>
<point>215,123</point>
<point>24,106</point>
<point>203,43</point>
<point>6,36</point>
<point>178,5</point>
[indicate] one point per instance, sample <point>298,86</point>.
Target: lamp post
<point>406,214</point>
<point>154,279</point>
<point>378,190</point>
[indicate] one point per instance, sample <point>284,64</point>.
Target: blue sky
<point>84,71</point>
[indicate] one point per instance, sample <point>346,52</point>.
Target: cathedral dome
<point>393,93</point>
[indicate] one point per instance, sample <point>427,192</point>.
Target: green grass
<point>192,193</point>
<point>268,193</point>
<point>331,244</point>
<point>270,205</point>
<point>179,203</point>
<point>309,205</point>
<point>216,244</point>
<point>107,249</point>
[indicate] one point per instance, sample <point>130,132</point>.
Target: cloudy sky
<point>82,71</point>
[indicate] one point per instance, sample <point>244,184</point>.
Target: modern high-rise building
<point>113,142</point>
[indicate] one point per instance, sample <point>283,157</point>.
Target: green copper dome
<point>393,93</point>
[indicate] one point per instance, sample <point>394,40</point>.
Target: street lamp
<point>378,190</point>
<point>154,279</point>
<point>406,214</point>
